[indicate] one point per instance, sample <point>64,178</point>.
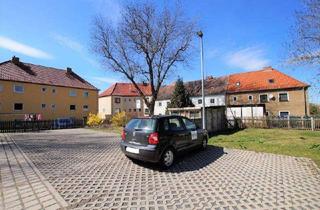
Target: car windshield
<point>141,124</point>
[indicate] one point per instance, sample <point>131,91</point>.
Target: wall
<point>219,100</point>
<point>244,112</point>
<point>295,106</point>
<point>33,97</point>
<point>105,106</point>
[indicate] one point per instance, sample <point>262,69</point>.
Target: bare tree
<point>305,45</point>
<point>146,45</point>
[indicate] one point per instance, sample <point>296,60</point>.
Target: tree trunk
<point>151,107</point>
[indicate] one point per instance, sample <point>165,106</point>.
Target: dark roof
<point>126,89</point>
<point>15,70</point>
<point>265,79</point>
<point>212,86</point>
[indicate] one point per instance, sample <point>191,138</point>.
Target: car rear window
<point>143,124</point>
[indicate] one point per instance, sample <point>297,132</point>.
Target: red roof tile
<point>30,73</point>
<point>265,79</point>
<point>126,89</point>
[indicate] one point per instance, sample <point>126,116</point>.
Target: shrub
<point>94,120</point>
<point>120,119</point>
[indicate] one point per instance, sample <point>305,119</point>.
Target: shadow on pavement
<point>189,161</point>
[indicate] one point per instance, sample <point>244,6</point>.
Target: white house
<point>215,89</point>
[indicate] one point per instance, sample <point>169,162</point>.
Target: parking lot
<point>85,169</point>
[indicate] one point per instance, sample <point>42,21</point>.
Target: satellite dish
<point>271,96</point>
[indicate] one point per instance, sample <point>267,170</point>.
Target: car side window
<point>164,125</point>
<point>175,124</point>
<point>189,124</point>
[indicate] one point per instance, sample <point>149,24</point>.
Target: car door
<point>178,133</point>
<point>193,135</point>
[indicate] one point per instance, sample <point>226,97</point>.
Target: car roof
<point>157,117</point>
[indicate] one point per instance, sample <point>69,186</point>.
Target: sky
<point>239,35</point>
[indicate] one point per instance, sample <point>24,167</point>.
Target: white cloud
<point>68,42</point>
<point>105,80</point>
<point>75,46</point>
<point>249,58</point>
<point>18,47</point>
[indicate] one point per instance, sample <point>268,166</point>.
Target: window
<point>199,101</point>
<point>18,106</point>
<point>263,98</point>
<point>129,99</point>
<point>271,81</point>
<point>284,114</point>
<point>53,90</point>
<point>235,98</point>
<point>117,110</point>
<point>283,97</point>
<point>160,104</point>
<point>143,124</point>
<point>44,89</point>
<point>18,89</point>
<point>129,110</point>
<point>146,111</point>
<point>85,107</point>
<point>86,94</point>
<point>212,100</point>
<point>72,93</point>
<point>1,88</point>
<point>139,110</point>
<point>117,100</point>
<point>175,124</point>
<point>43,106</point>
<point>250,98</point>
<point>165,125</point>
<point>53,106</point>
<point>134,110</point>
<point>72,107</point>
<point>189,124</point>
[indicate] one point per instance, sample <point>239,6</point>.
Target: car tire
<point>168,158</point>
<point>204,144</point>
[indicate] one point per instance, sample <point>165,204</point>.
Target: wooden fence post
<point>288,121</point>
<point>312,124</point>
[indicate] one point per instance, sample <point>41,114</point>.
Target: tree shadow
<point>189,160</point>
<point>225,132</point>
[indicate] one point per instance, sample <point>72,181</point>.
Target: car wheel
<point>168,158</point>
<point>204,143</point>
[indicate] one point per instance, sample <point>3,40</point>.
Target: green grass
<point>279,141</point>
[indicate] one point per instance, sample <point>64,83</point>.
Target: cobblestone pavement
<point>22,186</point>
<point>89,171</point>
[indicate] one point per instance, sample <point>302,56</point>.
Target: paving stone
<point>89,171</point>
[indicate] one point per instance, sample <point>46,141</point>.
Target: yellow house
<point>29,91</point>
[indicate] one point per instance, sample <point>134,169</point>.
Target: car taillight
<point>123,135</point>
<point>153,138</point>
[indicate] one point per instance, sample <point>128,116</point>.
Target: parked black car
<point>160,138</point>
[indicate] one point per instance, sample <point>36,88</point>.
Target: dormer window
<point>271,81</point>
<point>237,84</point>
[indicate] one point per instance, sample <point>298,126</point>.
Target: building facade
<point>215,91</point>
<point>270,90</point>
<point>34,92</point>
<point>123,97</point>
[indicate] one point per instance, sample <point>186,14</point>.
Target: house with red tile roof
<point>123,97</point>
<point>276,93</point>
<point>34,91</point>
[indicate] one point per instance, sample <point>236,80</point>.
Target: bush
<point>120,119</point>
<point>94,120</point>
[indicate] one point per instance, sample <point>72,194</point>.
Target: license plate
<point>132,150</point>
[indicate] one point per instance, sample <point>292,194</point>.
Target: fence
<point>290,123</point>
<point>26,126</point>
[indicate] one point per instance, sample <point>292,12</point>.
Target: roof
<point>265,79</point>
<point>212,86</point>
<point>15,70</point>
<point>126,89</point>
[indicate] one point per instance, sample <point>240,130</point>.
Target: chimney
<point>69,70</point>
<point>15,60</point>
